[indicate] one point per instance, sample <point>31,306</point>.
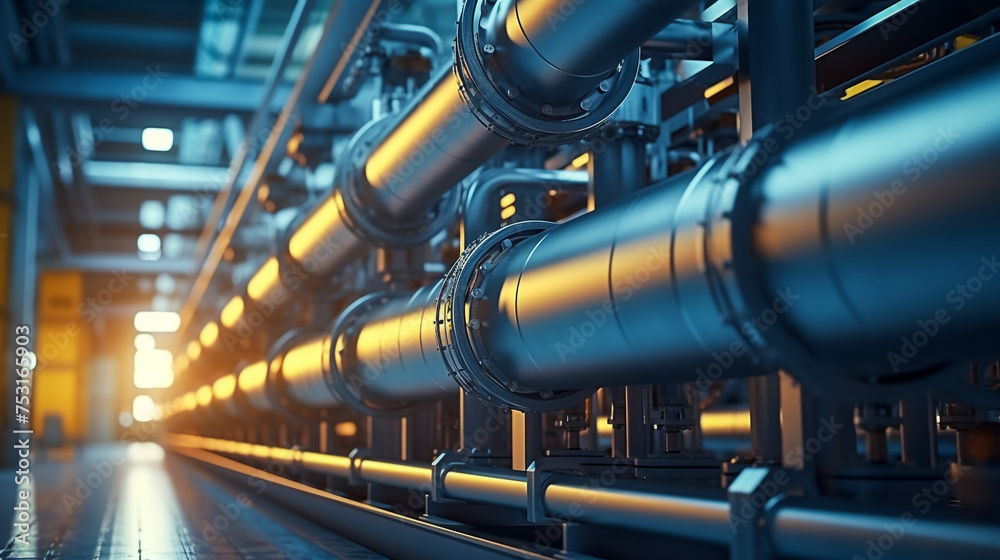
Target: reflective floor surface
<point>123,502</point>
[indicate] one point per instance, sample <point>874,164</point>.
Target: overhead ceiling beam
<point>112,263</point>
<point>159,176</point>
<point>123,93</point>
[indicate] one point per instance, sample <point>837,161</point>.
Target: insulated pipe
<point>684,279</point>
<point>391,355</point>
<point>516,79</point>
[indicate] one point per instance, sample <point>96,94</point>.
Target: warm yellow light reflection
<point>232,312</point>
<point>181,363</point>
<point>193,350</point>
<point>858,89</point>
<point>312,231</point>
<point>725,422</point>
<point>508,200</point>
<point>264,281</point>
<point>224,388</point>
<point>507,212</point>
<point>190,401</point>
<point>346,429</point>
<point>204,395</point>
<point>253,376</point>
<point>304,361</point>
<point>717,88</point>
<point>581,161</point>
<point>209,334</point>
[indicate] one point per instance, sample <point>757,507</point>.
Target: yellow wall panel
<point>60,295</point>
<point>57,393</point>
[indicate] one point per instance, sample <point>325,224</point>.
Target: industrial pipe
<point>517,78</point>
<point>710,273</point>
<point>693,277</point>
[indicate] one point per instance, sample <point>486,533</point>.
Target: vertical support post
<point>638,435</point>
<point>918,432</point>
<point>777,67</point>
<point>527,442</point>
<point>777,73</point>
<point>481,426</point>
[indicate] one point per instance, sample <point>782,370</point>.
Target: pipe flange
<point>359,208</point>
<point>732,274</point>
<point>460,341</point>
<point>501,108</point>
<point>274,384</point>
<point>352,394</point>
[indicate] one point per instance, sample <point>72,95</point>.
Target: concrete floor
<point>122,502</point>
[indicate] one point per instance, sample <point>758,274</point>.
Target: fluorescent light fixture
<point>148,243</point>
<point>152,214</point>
<point>158,139</point>
<point>153,369</point>
<point>157,321</point>
<point>143,408</point>
<point>144,341</point>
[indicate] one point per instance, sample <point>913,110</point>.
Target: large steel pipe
<point>518,78</point>
<point>766,251</point>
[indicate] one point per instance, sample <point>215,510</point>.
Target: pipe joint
<point>346,376</point>
<point>517,94</point>
<point>460,323</point>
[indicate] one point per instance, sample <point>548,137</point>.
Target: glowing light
<point>204,395</point>
<point>312,231</point>
<point>190,401</point>
<point>264,281</point>
<point>144,341</point>
<point>346,429</point>
<point>193,350</point>
<point>581,161</point>
<point>153,369</point>
<point>181,363</point>
<point>158,139</point>
<point>157,321</point>
<point>125,419</point>
<point>232,312</point>
<point>209,334</point>
<point>508,200</point>
<point>144,452</point>
<point>507,212</point>
<point>224,387</point>
<point>148,243</point>
<point>142,408</point>
<point>717,88</point>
